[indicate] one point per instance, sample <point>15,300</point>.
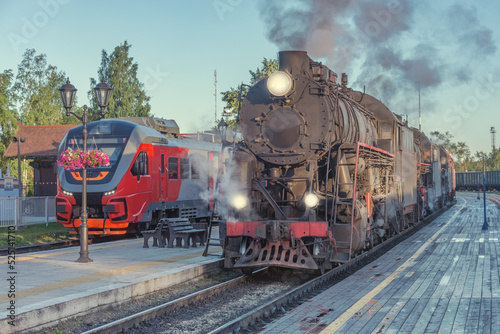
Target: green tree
<point>36,91</point>
<point>118,70</point>
<point>462,153</point>
<point>232,96</point>
<point>269,66</point>
<point>443,139</point>
<point>493,160</point>
<point>8,116</point>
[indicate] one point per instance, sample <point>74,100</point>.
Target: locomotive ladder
<point>345,231</point>
<point>214,241</point>
<point>341,229</point>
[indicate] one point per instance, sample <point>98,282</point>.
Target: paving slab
<point>442,279</point>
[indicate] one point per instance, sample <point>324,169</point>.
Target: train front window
<point>113,147</point>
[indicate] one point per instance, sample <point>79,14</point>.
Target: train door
<point>409,168</point>
<point>140,169</point>
<point>436,175</point>
<point>163,177</point>
<point>399,163</point>
<point>213,171</point>
<point>174,182</point>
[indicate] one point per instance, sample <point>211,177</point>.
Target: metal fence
<point>15,211</point>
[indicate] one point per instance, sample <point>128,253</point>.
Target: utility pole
<point>419,118</point>
<point>493,131</point>
<point>215,94</point>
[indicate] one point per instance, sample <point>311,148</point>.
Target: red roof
<point>41,140</point>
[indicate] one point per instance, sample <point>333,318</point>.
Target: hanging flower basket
<point>70,159</point>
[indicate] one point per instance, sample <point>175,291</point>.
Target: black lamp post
<point>68,93</point>
<point>19,141</point>
<point>222,127</point>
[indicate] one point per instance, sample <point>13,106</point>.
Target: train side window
<point>162,164</point>
<point>398,138</point>
<point>195,170</point>
<point>141,165</point>
<point>184,168</point>
<point>386,131</point>
<point>173,168</point>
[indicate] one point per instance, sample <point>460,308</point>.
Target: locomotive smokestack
<point>289,60</point>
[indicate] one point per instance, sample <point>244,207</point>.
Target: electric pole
<point>215,94</point>
<point>493,131</point>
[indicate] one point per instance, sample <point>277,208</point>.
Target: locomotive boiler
<point>323,171</point>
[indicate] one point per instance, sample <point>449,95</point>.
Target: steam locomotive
<point>324,172</point>
<point>154,172</point>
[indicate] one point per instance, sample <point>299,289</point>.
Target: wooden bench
<point>158,234</point>
<point>182,231</point>
<point>202,237</point>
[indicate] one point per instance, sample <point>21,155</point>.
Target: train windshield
<point>112,146</point>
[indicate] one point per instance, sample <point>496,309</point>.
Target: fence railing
<point>15,211</point>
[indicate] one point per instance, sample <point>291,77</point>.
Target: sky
<point>389,48</point>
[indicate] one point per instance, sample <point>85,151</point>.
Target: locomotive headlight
<point>279,83</point>
<point>67,193</point>
<point>239,201</point>
<point>311,200</point>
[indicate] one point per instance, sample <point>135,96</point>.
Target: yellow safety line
<point>76,250</point>
<point>341,320</point>
<point>99,275</point>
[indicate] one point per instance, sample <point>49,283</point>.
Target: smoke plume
<point>392,47</point>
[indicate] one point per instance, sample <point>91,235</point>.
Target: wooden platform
<point>443,279</point>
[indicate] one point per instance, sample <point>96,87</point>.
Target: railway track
<point>219,298</point>
<point>63,244</point>
<point>130,321</point>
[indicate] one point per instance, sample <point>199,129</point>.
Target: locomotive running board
<point>277,254</point>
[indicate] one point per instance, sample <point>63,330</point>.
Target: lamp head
<point>68,94</point>
<point>102,93</point>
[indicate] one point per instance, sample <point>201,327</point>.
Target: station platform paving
<point>50,285</point>
<point>443,279</point>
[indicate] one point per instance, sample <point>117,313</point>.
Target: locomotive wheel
<point>321,268</point>
<point>247,271</point>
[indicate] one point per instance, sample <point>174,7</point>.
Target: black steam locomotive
<point>324,172</point>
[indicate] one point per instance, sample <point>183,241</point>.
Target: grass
<point>35,234</point>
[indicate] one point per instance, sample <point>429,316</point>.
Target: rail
<point>24,211</point>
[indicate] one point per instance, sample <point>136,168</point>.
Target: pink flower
<point>71,160</point>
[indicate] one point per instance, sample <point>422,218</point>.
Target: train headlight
<point>239,201</point>
<point>109,193</point>
<point>67,193</point>
<point>311,200</point>
<point>279,83</point>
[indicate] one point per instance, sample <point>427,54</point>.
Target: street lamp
<point>68,93</point>
<point>19,141</point>
<point>222,127</point>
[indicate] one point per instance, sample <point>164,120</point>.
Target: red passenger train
<point>154,172</point>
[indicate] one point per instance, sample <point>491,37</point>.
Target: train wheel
<point>247,271</point>
<point>321,268</point>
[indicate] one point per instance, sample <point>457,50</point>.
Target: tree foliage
<point>232,96</point>
<point>269,66</point>
<point>8,116</point>
<point>36,91</point>
<point>464,159</point>
<point>128,97</point>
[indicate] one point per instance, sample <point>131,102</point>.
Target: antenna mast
<point>493,131</point>
<point>215,94</point>
<point>419,113</point>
